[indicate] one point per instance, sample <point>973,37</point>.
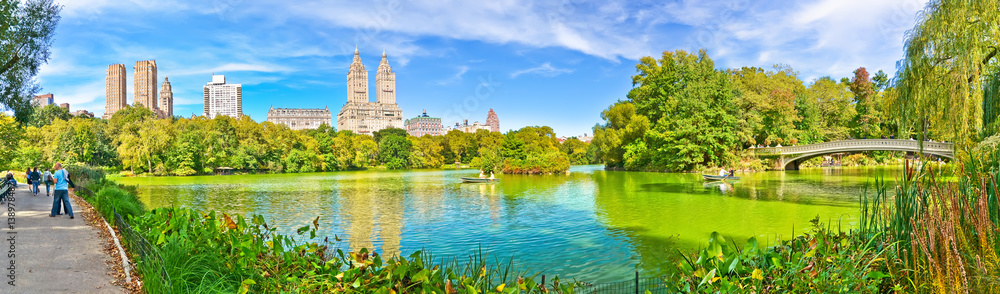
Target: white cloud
<point>545,70</point>
<point>236,67</point>
<point>457,77</point>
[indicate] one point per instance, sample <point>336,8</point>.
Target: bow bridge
<point>790,157</point>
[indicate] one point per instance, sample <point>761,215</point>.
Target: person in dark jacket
<point>36,179</point>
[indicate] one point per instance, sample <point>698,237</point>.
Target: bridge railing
<point>861,143</point>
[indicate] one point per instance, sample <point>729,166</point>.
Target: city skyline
<point>576,58</point>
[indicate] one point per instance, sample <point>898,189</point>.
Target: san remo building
<point>359,114</point>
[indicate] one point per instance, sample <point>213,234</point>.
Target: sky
<point>555,63</point>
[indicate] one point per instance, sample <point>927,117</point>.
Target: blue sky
<point>556,63</point>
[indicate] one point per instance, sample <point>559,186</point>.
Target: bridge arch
<point>790,157</point>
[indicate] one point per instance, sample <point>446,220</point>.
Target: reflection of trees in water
<point>373,209</point>
<point>621,203</point>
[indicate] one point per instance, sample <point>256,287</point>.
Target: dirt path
<point>51,254</point>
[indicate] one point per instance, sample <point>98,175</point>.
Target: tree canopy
<point>26,30</point>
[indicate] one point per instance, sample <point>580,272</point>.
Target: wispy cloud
<point>457,77</point>
<point>545,70</point>
<point>236,67</point>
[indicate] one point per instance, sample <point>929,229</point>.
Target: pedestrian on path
<point>47,178</point>
<point>61,194</point>
<point>36,179</point>
<point>27,178</point>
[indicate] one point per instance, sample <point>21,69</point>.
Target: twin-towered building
<point>359,114</point>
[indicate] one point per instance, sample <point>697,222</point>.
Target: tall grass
<point>945,233</point>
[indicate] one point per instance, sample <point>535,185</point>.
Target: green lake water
<point>591,225</point>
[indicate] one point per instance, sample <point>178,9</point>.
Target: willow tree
<point>950,55</point>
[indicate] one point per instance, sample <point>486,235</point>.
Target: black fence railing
<point>143,253</point>
<point>636,285</point>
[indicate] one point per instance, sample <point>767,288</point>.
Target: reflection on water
<point>592,225</point>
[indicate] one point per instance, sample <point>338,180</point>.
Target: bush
<point>110,199</point>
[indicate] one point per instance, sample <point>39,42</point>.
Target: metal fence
<point>637,286</point>
<point>143,253</point>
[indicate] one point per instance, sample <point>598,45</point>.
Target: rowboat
<point>479,180</point>
<point>719,178</point>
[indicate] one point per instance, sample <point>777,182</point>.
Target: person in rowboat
<point>481,174</point>
<point>722,172</point>
<point>491,176</point>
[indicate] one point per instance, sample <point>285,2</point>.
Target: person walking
<point>36,179</point>
<point>47,178</point>
<point>27,178</point>
<point>61,193</point>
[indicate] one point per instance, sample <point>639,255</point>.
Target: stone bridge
<point>789,157</point>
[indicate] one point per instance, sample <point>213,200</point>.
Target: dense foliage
<point>26,31</point>
<point>135,141</point>
<point>683,114</point>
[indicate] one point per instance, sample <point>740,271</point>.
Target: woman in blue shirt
<point>61,193</point>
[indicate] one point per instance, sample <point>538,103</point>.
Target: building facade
<point>145,84</point>
<point>424,125</point>
<point>466,127</point>
<point>82,112</point>
<point>359,114</point>
<point>222,98</point>
<point>300,118</point>
<point>64,106</point>
<point>167,99</point>
<point>493,121</point>
<point>44,100</point>
<point>114,90</point>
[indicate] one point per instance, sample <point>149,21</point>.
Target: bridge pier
<point>784,163</point>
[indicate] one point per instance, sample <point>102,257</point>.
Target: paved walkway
<point>51,254</point>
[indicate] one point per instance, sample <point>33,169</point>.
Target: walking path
<point>51,254</point>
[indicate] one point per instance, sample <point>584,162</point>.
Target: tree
<point>43,116</point>
<point>622,127</point>
<point>458,143</point>
<point>380,134</point>
<point>767,103</point>
<point>867,117</point>
<point>26,30</point>
<point>394,151</point>
<point>833,100</point>
<point>576,150</point>
<point>950,55</point>
<point>10,136</point>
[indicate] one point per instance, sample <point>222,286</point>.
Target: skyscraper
<point>145,84</point>
<point>167,99</point>
<point>493,121</point>
<point>222,98</point>
<point>114,90</point>
<point>361,115</point>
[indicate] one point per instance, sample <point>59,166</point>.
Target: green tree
<point>43,116</point>
<point>26,30</point>
<point>10,137</point>
<point>458,143</point>
<point>623,126</point>
<point>380,134</point>
<point>576,150</point>
<point>833,100</point>
<point>394,151</point>
<point>950,55</point>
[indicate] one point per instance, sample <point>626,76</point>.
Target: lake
<point>592,225</point>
